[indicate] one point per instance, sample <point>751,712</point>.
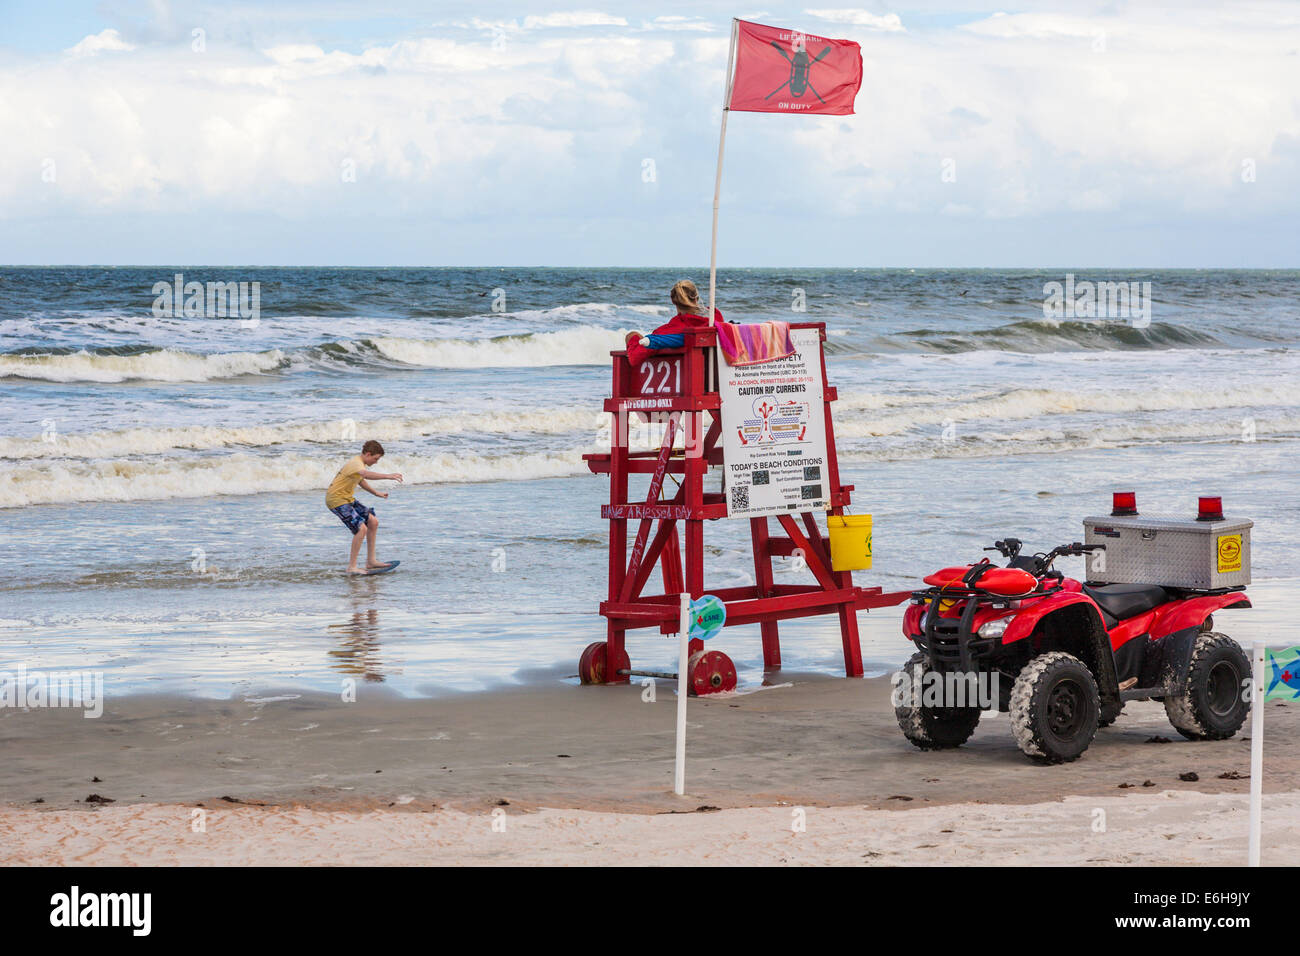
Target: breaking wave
<point>152,365</point>
<point>1052,335</point>
<point>338,433</point>
<point>35,482</point>
<point>201,477</point>
<point>585,345</point>
<point>873,415</point>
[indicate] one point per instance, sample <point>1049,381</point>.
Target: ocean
<point>162,475</point>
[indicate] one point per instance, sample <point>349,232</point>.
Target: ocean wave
<point>964,443</point>
<point>199,476</point>
<point>919,410</point>
<point>583,345</point>
<point>129,442</point>
<point>572,345</point>
<point>1051,335</point>
<point>857,415</point>
<point>241,473</point>
<point>109,366</point>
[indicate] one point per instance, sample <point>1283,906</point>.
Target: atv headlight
<point>994,628</point>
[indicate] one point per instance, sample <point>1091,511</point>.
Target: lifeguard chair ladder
<point>677,388</point>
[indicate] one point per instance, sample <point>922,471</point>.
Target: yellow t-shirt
<point>344,486</point>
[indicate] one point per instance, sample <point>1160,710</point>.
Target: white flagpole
<point>1256,752</point>
<point>717,182</point>
<point>683,645</point>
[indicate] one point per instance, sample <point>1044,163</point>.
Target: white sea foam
<point>240,473</point>
<point>586,345</point>
<point>986,442</point>
<point>195,476</point>
<point>165,365</point>
<point>583,345</point>
<point>922,410</point>
<point>122,443</point>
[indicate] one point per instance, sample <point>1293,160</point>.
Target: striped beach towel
<point>754,343</point>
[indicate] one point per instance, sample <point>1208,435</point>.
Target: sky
<point>1063,135</point>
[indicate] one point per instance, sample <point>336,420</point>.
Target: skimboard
<point>384,570</point>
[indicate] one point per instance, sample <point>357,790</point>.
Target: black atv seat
<point>1123,601</point>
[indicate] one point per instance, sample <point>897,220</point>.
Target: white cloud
<point>105,40</point>
<point>680,23</point>
<point>456,128</point>
<point>574,18</point>
<point>1037,121</point>
<point>1037,26</point>
<point>889,22</point>
<point>292,52</point>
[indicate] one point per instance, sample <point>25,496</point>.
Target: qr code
<point>760,477</point>
<point>739,497</point>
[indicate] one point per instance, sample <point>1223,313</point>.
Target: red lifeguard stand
<point>678,388</point>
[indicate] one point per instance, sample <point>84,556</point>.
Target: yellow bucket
<point>850,542</point>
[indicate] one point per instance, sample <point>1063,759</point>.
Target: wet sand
<point>283,764</point>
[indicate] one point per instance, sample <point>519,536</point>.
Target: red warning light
<point>1124,504</point>
<point>1210,508</point>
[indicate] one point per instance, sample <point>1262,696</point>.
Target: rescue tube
<point>1004,581</point>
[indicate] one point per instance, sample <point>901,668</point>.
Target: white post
<point>683,641</point>
<point>1256,751</point>
<point>717,182</point>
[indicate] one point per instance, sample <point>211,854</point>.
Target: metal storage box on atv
<point>1173,552</point>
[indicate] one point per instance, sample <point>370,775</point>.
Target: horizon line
<point>969,268</point>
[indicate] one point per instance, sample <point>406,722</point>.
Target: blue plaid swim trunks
<point>353,514</point>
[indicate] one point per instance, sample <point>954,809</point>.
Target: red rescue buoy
<point>1004,581</point>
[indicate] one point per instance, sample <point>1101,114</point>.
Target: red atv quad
<point>1063,657</point>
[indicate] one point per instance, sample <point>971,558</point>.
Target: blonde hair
<point>686,297</point>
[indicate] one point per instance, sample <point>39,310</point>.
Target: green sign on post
<point>708,615</point>
<point>1284,674</point>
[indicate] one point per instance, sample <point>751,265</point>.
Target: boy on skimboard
<point>341,499</point>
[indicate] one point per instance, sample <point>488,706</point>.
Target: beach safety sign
<point>774,432</point>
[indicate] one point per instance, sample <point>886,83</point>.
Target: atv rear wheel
<point>1211,705</point>
<point>1054,708</point>
<point>931,728</point>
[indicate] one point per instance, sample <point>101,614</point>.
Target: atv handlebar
<point>1040,564</point>
<point>1008,548</point>
<point>1077,548</point>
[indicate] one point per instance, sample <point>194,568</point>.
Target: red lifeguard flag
<point>785,71</point>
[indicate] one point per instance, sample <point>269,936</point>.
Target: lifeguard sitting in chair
<point>690,315</point>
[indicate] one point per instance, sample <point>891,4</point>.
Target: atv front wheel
<point>931,728</point>
<point>1109,713</point>
<point>1211,705</point>
<point>1054,708</point>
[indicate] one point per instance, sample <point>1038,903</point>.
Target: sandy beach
<point>1168,828</point>
<point>810,771</point>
